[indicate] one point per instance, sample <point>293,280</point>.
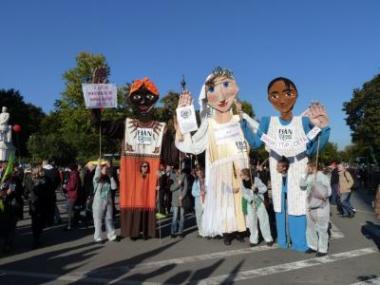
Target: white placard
<point>227,133</point>
<point>98,96</point>
<point>187,121</point>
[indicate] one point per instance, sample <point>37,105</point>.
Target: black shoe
<point>320,254</point>
<point>253,244</point>
<point>173,236</point>
<point>310,250</point>
<point>270,243</point>
<point>181,236</point>
<point>134,238</point>
<point>240,238</point>
<point>227,242</point>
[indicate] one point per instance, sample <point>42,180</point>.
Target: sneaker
<point>240,238</point>
<point>320,254</point>
<point>98,240</point>
<point>253,244</point>
<point>270,243</point>
<point>160,216</point>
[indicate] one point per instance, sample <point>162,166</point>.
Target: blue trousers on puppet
<point>291,230</point>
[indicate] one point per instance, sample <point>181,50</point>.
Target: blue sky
<point>327,47</point>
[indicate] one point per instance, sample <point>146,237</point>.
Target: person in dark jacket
<point>179,189</point>
<point>40,203</point>
<point>72,190</point>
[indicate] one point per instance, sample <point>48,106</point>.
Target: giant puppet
<point>221,137</point>
<point>143,138</point>
<point>294,138</point>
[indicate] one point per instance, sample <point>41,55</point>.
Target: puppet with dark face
<point>294,138</point>
<point>142,143</point>
<point>142,96</point>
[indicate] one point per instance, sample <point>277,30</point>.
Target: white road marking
<point>276,269</point>
<point>335,232</point>
<point>242,275</point>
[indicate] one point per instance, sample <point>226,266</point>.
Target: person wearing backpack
<point>345,184</point>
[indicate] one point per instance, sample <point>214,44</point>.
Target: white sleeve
<point>247,194</point>
<point>260,185</point>
<point>195,144</point>
<point>252,124</point>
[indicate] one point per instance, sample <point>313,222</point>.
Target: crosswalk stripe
<point>370,281</point>
<point>281,268</point>
<point>190,259</point>
<point>335,234</point>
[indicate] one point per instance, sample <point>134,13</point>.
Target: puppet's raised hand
<point>185,99</point>
<point>318,115</point>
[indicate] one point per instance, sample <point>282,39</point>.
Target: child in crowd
<point>253,196</point>
<point>318,188</point>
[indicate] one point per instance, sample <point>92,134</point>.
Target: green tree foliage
<point>26,115</point>
<point>363,117</point>
<point>329,154</point>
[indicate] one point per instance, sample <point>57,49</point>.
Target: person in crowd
<point>376,203</point>
<point>54,180</point>
<point>198,191</point>
<point>345,183</point>
<point>88,190</point>
<point>11,209</point>
<point>318,189</point>
<point>72,189</point>
<point>104,182</point>
<point>178,188</point>
<point>253,194</point>
<point>40,203</point>
<point>161,188</point>
<point>168,194</point>
<point>334,182</point>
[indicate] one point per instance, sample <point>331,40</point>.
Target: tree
<point>363,117</point>
<point>76,127</point>
<point>26,115</point>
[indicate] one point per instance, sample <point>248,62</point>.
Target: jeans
<point>181,211</point>
<point>346,205</point>
<point>334,194</point>
<point>198,212</point>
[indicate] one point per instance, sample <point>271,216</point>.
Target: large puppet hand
<point>184,99</point>
<point>318,115</point>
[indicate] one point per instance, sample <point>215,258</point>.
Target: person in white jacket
<point>102,204</point>
<point>253,194</point>
<point>318,191</point>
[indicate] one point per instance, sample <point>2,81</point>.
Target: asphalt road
<point>73,258</point>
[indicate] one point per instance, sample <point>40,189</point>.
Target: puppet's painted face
<point>282,96</point>
<point>142,101</point>
<point>221,93</point>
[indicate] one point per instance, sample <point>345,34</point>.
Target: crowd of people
<point>90,200</point>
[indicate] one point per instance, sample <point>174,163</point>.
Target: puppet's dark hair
<point>288,83</point>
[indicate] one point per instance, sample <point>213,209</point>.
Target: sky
<point>327,47</point>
